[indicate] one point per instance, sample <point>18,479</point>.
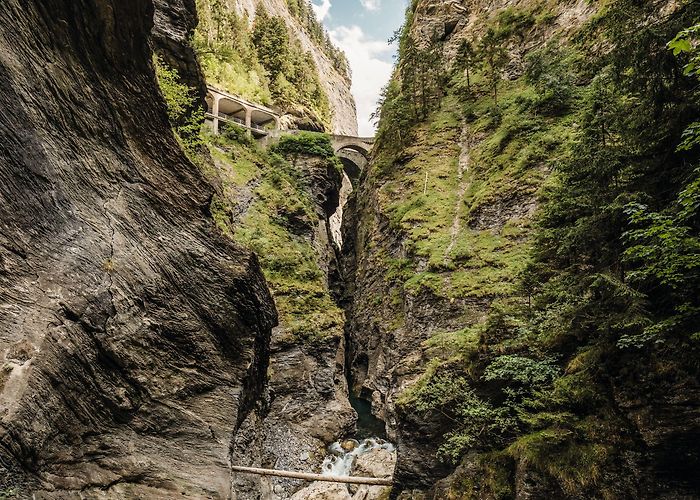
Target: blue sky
<point>361,28</point>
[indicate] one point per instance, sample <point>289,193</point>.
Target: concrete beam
<point>248,116</point>
<point>215,111</point>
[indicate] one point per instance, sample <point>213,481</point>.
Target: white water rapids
<point>339,461</point>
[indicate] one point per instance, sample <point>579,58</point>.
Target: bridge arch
<point>354,153</point>
<point>362,145</point>
<point>354,163</point>
<point>228,108</point>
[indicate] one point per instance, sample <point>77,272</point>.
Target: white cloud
<point>322,10</point>
<point>369,71</point>
<point>371,4</point>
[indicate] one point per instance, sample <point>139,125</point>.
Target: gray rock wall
<point>133,338</point>
<point>307,406</point>
<point>173,27</point>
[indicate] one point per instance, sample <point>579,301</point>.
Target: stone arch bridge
<point>354,152</point>
<point>264,124</point>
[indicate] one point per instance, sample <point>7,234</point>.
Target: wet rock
<point>349,444</point>
<point>412,495</point>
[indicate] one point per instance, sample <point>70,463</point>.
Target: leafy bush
<point>664,248</point>
<point>233,132</point>
<point>185,113</point>
<point>687,43</point>
<point>309,143</point>
<point>476,421</point>
<point>526,371</point>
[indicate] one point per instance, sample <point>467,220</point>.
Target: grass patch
<point>277,224</point>
<point>512,150</point>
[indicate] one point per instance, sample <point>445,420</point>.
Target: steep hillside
<point>516,296</point>
<point>499,320</point>
<point>139,354</point>
<point>133,336</point>
<point>275,52</point>
<point>278,203</point>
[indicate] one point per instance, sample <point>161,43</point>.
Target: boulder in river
<point>349,445</point>
<point>378,462</point>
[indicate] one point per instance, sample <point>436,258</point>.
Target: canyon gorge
<point>495,297</point>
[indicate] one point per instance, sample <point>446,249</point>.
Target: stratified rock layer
<point>174,24</point>
<point>133,338</point>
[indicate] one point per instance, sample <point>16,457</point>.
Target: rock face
<point>323,491</point>
<point>174,23</point>
<point>403,313</point>
<point>306,407</point>
<point>387,351</point>
<point>133,338</point>
<point>337,86</point>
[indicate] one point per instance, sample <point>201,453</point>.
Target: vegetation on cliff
<point>263,62</point>
<point>268,205</point>
<point>599,130</point>
<point>184,111</point>
<point>306,143</point>
<point>303,11</point>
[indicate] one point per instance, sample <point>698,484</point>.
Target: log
<point>314,477</point>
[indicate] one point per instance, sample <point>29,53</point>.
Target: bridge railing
<point>233,119</point>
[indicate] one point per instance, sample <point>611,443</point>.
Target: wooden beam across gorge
<point>374,481</point>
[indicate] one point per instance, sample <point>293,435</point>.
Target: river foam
<point>339,461</point>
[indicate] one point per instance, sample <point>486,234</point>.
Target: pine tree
<point>494,57</point>
<point>466,56</point>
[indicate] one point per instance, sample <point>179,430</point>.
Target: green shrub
<point>8,493</point>
<point>522,370</point>
<point>476,421</point>
<point>233,132</point>
<point>185,114</point>
<point>305,143</point>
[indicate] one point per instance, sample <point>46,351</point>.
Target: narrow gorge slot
<point>370,434</point>
<point>222,277</point>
